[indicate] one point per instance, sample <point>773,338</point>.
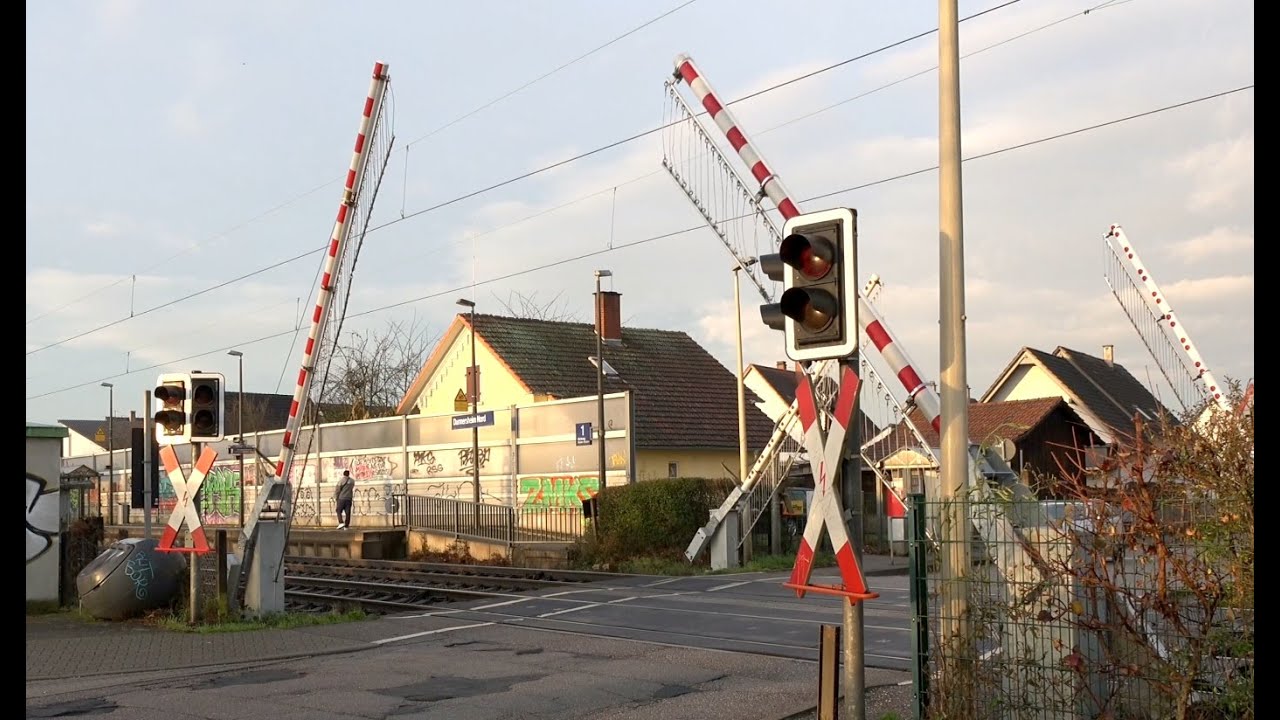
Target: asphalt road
<point>749,612</point>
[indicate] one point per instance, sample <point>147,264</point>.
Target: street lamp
<point>475,401</point>
<point>595,506</point>
<point>239,356</point>
<point>742,393</point>
<point>111,449</point>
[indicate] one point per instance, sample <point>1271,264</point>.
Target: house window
<point>673,470</point>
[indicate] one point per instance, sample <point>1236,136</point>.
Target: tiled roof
<point>263,412</point>
<point>1107,390</point>
<point>988,422</point>
<point>783,382</point>
<point>89,429</point>
<point>684,397</point>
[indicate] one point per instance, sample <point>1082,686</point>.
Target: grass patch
<point>43,607</point>
<point>650,565</point>
<point>661,565</point>
<point>281,621</point>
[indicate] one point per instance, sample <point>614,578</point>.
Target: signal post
<point>818,312</point>
<point>189,410</point>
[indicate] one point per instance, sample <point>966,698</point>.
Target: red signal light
<point>811,256</point>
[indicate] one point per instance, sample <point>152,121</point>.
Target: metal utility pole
<point>475,401</point>
<point>595,506</point>
<point>742,393</point>
<point>111,451</point>
<point>955,390</point>
<point>239,356</point>
<point>854,680</point>
<point>146,464</point>
<point>193,564</point>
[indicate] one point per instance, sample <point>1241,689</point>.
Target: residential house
<point>776,388</point>
<point>1099,390</point>
<point>1039,438</point>
<point>685,401</point>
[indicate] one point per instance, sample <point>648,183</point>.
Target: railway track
<point>315,584</point>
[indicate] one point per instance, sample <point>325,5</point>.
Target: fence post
<point>511,527</point>
<point>457,521</point>
<point>918,585</point>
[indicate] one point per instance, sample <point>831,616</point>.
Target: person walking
<point>344,496</point>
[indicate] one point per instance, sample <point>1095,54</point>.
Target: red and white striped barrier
<point>870,321</point>
<point>333,259</point>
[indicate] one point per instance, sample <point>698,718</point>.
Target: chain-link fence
<point>1100,611</point>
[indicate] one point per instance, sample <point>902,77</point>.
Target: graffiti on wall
<point>466,459</point>
<point>558,490</point>
<point>220,496</point>
<point>42,516</point>
<point>365,467</point>
<point>425,463</point>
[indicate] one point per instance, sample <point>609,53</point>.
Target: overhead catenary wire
<point>523,176</point>
<point>316,189</point>
<point>666,235</point>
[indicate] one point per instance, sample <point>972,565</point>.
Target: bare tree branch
<point>520,305</point>
<point>371,371</point>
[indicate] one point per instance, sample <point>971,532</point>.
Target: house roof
<point>988,422</point>
<point>120,439</point>
<point>784,383</point>
<point>42,430</point>
<point>684,397</point>
<point>1107,391</point>
<point>263,412</point>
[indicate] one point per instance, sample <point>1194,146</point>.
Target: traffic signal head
<point>207,403</point>
<point>817,265</point>
<point>173,409</point>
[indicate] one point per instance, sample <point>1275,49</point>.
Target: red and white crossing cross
<point>186,490</point>
<point>825,454</point>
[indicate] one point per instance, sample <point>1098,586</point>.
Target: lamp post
<point>111,450</point>
<point>742,393</point>
<point>475,401</point>
<point>239,356</point>
<point>595,506</point>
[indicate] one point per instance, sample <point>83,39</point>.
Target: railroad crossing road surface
<point>637,647</point>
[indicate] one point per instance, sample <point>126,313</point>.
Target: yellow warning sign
<point>460,401</point>
<point>100,437</point>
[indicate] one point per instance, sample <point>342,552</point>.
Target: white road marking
<point>431,632</point>
<point>726,586</point>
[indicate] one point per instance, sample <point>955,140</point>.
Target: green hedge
<point>652,518</point>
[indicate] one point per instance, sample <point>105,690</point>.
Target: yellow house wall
<point>1026,383</point>
<point>652,464</point>
<point>499,388</point>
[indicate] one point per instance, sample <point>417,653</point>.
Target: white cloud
<point>187,119</point>
<point>1222,173</point>
<point>1220,241</point>
<point>1181,181</point>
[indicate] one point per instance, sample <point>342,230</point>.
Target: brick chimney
<point>782,365</point>
<point>1109,354</point>
<point>609,316</point>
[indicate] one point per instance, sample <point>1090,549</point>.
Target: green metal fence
<point>1080,610</point>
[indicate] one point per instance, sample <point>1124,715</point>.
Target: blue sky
<point>173,147</point>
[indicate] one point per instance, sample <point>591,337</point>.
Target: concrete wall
<point>535,555</point>
<point>42,512</point>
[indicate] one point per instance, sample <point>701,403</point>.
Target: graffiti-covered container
<point>129,578</point>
